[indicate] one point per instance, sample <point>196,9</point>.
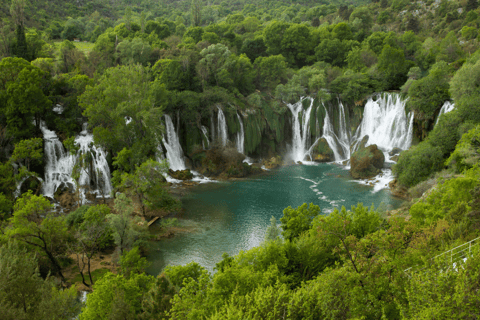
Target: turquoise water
<point>233,216</point>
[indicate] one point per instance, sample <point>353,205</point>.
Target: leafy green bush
<point>418,163</point>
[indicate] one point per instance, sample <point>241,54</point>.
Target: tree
<point>270,71</point>
<point>23,101</point>
<point>25,295</point>
<point>47,235</point>
<point>116,297</point>
<point>273,36</point>
<point>133,52</point>
<point>361,18</point>
<point>128,231</point>
<point>27,152</point>
<point>130,96</point>
<point>196,13</point>
<point>296,221</point>
<point>254,48</point>
<point>297,45</point>
<point>213,67</point>
<point>334,51</point>
<point>428,94</point>
<point>93,235</point>
<point>418,163</point>
<point>394,67</point>
<point>132,263</point>
<point>161,30</point>
<point>147,184</point>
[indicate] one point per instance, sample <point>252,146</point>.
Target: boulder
<point>273,162</point>
<point>322,152</point>
<point>181,174</point>
<point>366,162</point>
<point>394,152</point>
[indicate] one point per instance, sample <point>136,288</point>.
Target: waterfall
<point>340,144</point>
<point>172,144</point>
<point>301,132</point>
<point>240,136</point>
<point>95,165</point>
<point>446,108</point>
<point>386,123</point>
<point>205,134</point>
<point>59,166</point>
<point>222,128</point>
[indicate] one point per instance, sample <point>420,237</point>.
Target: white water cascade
<point>222,128</point>
<point>446,108</point>
<point>205,134</point>
<point>301,132</point>
<point>59,165</point>
<point>240,136</point>
<point>172,144</point>
<point>339,145</point>
<point>386,123</point>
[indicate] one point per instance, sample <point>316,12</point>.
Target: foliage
<point>428,94</point>
<point>24,294</point>
<point>128,231</point>
<point>147,184</point>
<point>33,225</point>
<point>296,221</point>
<point>130,96</point>
<point>418,163</point>
<point>132,263</point>
<point>116,297</point>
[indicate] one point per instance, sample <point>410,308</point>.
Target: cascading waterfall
<point>94,170</point>
<point>446,108</point>
<point>386,124</point>
<point>340,144</point>
<point>95,166</point>
<point>240,136</point>
<point>172,144</point>
<point>59,164</point>
<point>205,134</point>
<point>301,132</point>
<point>384,121</point>
<point>222,128</point>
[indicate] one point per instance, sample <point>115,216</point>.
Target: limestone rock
<point>181,174</point>
<point>366,162</point>
<point>322,152</point>
<point>273,162</point>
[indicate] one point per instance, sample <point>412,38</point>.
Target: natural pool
<point>233,216</point>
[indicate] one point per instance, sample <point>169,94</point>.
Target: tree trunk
<point>89,273</point>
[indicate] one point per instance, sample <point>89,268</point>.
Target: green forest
<point>105,61</point>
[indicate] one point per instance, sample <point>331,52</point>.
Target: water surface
<point>233,216</point>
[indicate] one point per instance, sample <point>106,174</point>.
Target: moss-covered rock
<point>272,163</point>
<point>225,162</point>
<point>366,162</point>
<point>322,152</point>
<point>181,174</point>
